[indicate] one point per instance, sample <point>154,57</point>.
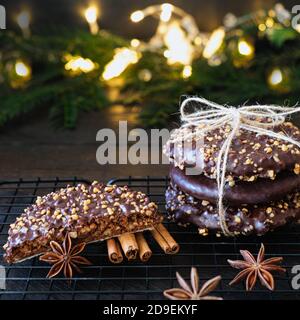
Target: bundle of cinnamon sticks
<point>135,245</point>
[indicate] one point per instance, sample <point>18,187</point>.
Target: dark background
<point>115,13</point>
<point>32,147</point>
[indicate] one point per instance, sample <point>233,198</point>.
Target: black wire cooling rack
<point>136,280</point>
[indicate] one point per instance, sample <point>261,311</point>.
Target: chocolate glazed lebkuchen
<point>262,181</point>
<point>89,213</point>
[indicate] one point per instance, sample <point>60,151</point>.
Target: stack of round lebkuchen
<point>262,190</point>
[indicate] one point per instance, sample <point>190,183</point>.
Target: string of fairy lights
<point>177,37</point>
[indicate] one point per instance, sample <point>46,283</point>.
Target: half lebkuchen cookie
<point>88,213</point>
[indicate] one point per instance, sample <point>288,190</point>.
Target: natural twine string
<point>208,116</point>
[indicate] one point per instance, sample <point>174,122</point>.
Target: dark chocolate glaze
<point>264,154</point>
<point>80,210</point>
<point>185,209</point>
<point>259,191</point>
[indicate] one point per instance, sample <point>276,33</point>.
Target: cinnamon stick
<point>165,240</point>
<point>114,251</point>
<point>129,245</point>
<point>145,252</point>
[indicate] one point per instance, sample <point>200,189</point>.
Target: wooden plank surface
<point>34,148</point>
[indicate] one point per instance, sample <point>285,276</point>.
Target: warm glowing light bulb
<point>245,48</point>
<point>122,59</point>
<point>166,12</point>
<point>270,22</point>
<point>135,43</point>
<point>91,14</point>
<point>187,72</point>
<point>262,27</point>
<point>214,43</point>
<point>22,69</point>
<point>23,19</point>
<point>137,16</point>
<point>272,13</point>
<point>179,48</point>
<point>275,77</point>
<point>198,41</point>
<point>78,64</point>
<point>297,27</point>
<point>167,54</point>
<point>145,75</point>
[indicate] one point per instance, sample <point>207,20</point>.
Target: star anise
<point>187,292</point>
<point>259,268</point>
<point>64,257</point>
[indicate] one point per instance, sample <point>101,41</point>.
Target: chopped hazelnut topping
<point>205,203</point>
<point>237,219</point>
<point>268,150</point>
<point>271,174</point>
<point>284,148</point>
<point>110,211</point>
<point>269,210</point>
<point>256,146</point>
<point>231,183</point>
<point>297,168</point>
<point>109,189</point>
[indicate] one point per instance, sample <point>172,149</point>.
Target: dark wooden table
<point>34,148</point>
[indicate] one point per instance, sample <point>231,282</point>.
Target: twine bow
<point>259,119</point>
